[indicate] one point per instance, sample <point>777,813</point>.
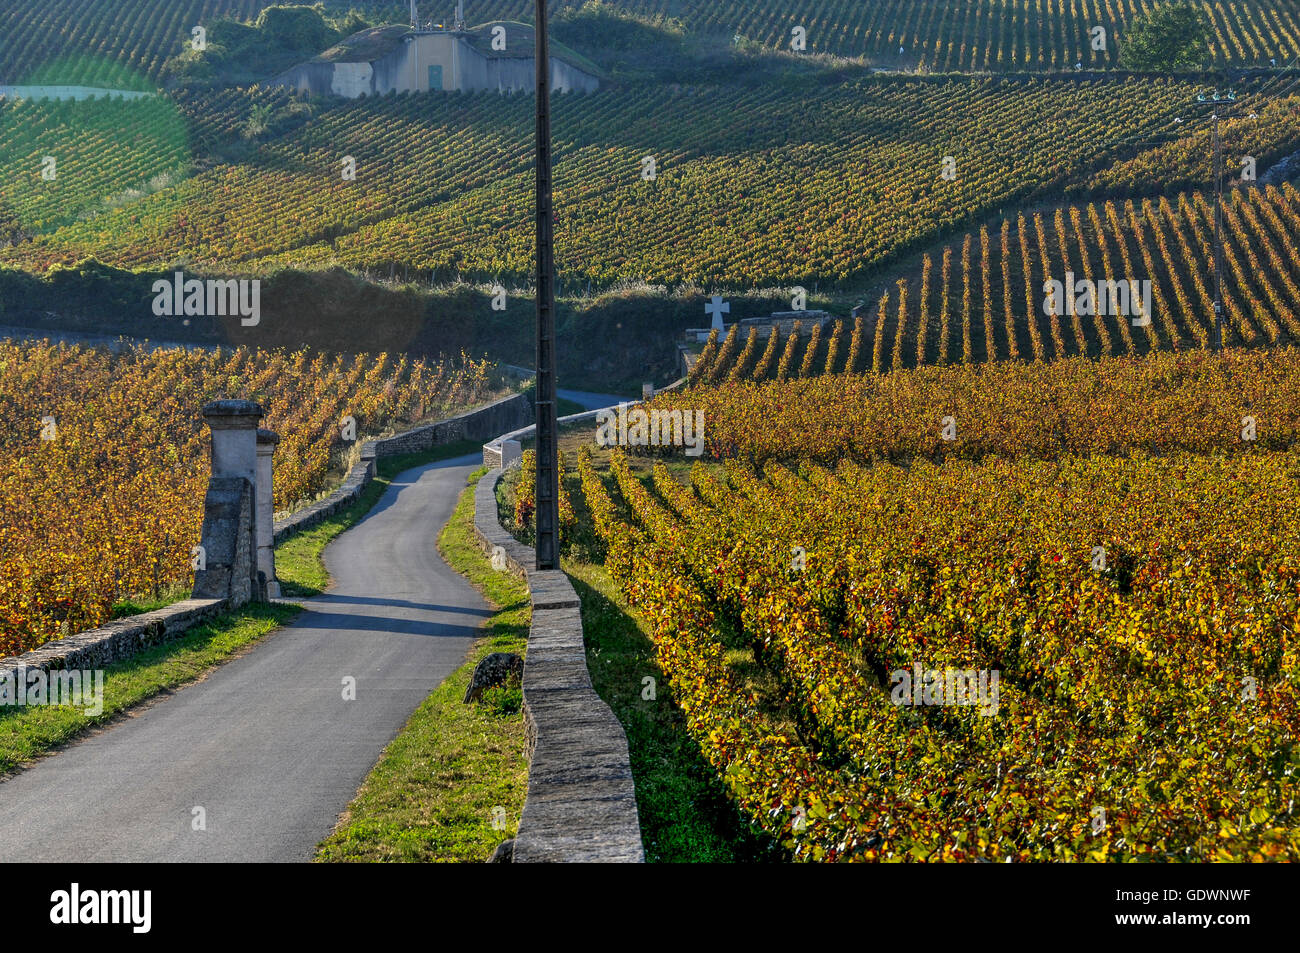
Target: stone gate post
<point>229,539</point>
<point>266,444</point>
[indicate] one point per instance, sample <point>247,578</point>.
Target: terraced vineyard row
<point>957,35</point>
<point>1164,683</point>
<point>822,186</point>
<point>103,460</point>
<point>97,153</point>
<point>1261,128</point>
<point>986,298</point>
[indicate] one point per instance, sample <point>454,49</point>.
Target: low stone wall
<point>118,639</point>
<point>349,492</point>
<point>492,449</point>
<point>581,803</point>
<point>482,423</point>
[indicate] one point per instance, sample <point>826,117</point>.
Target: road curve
<point>266,744</point>
<point>589,401</point>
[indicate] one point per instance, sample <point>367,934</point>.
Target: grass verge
<point>684,810</point>
<point>686,816</point>
<point>451,785</point>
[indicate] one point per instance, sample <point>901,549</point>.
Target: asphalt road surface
<point>590,401</point>
<point>266,745</point>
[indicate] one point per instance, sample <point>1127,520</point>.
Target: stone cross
<point>717,307</point>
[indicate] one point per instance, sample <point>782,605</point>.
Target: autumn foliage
<point>112,503</point>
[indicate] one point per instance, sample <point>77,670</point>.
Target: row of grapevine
<point>101,150</point>
<point>97,42</point>
<point>1192,400</point>
<point>993,305</point>
<point>931,35</point>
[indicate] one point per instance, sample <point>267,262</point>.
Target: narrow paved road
<point>267,745</point>
<point>590,401</point>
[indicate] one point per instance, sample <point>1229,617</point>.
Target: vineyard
<point>99,42</point>
<point>105,152</point>
<point>1109,537</point>
<point>822,186</point>
<point>1192,402</point>
<point>104,459</point>
<point>924,35</point>
<point>985,299</point>
<point>995,35</point>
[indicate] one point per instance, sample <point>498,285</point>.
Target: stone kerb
<point>496,453</point>
<point>581,801</point>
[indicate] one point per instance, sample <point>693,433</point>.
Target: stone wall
<point>492,456</point>
<point>349,492</point>
<point>231,549</point>
<point>581,802</point>
<point>483,423</point>
<point>492,450</point>
<point>119,639</point>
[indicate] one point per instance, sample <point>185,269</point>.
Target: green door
<point>435,77</point>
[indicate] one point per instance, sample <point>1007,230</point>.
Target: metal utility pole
<point>1218,236</point>
<point>548,465</point>
<point>1220,103</point>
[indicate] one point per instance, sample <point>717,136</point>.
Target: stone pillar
<point>511,450</point>
<point>234,437</point>
<point>647,391</point>
<point>229,509</point>
<point>266,443</point>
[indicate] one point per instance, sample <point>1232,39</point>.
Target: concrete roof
<point>366,46</point>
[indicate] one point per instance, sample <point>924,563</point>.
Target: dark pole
<point>548,476</point>
<point>1218,236</point>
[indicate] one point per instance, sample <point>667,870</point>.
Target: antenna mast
<point>460,16</point>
